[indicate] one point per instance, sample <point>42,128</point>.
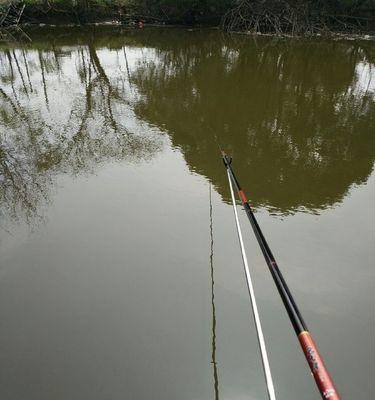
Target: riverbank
<point>57,30</point>
<point>125,12</point>
<point>283,18</point>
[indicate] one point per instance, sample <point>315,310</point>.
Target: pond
<point>115,280</point>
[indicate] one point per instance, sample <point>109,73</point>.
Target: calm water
<point>107,155</point>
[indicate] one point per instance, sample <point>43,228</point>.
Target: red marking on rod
<point>243,197</point>
<point>322,378</point>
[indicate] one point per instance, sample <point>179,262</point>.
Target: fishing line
<point>213,344</point>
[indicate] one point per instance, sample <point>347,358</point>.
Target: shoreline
<point>370,36</point>
<point>357,24</point>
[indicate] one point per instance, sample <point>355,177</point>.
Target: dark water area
<point>111,284</point>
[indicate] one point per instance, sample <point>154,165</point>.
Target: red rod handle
<point>317,367</point>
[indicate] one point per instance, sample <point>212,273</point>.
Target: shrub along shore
<point>296,17</point>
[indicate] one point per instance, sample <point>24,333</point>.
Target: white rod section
<point>262,344</point>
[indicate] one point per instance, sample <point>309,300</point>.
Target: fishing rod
<point>322,378</point>
<point>258,326</point>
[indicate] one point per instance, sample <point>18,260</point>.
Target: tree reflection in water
<point>61,112</point>
<point>297,115</point>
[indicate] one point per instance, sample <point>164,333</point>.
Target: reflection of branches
<point>127,64</point>
<point>290,108</point>
<point>32,148</point>
<point>7,52</point>
<point>20,72</point>
<point>8,99</point>
<point>27,70</point>
<point>16,191</point>
<point>41,64</point>
<point>21,186</point>
<point>104,80</point>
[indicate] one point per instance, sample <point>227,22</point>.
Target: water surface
<point>112,284</point>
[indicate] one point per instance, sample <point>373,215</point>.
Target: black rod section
<point>321,375</point>
<point>287,298</point>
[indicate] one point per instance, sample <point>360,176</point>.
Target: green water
<point>108,149</point>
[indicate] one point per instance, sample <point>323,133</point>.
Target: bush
<point>182,11</point>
